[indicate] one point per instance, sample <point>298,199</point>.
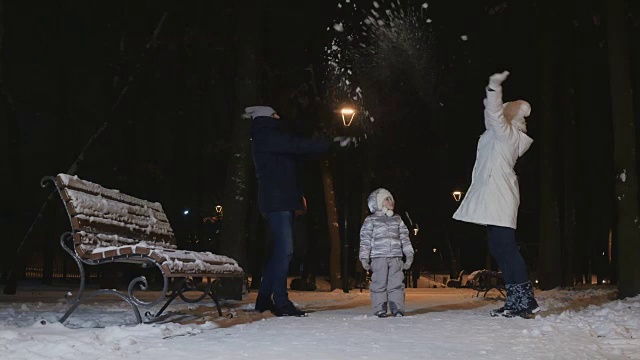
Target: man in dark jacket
<point>279,196</point>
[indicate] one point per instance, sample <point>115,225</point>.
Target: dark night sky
<point>66,62</point>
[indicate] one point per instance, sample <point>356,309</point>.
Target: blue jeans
<point>503,247</point>
<point>274,280</point>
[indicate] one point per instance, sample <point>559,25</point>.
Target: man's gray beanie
<point>257,111</point>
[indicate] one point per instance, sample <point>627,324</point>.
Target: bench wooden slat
<point>110,227</point>
<point>92,241</point>
<point>79,202</point>
<point>73,182</point>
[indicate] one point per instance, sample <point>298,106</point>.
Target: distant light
<point>604,281</point>
<point>457,195</point>
<point>434,249</point>
<point>415,231</point>
<point>186,212</point>
<point>536,281</point>
<point>218,208</point>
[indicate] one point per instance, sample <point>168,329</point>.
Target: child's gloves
<point>365,264</point>
<point>407,264</point>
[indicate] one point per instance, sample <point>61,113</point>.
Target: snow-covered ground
<point>441,324</point>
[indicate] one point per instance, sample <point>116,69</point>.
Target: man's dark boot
<point>264,303</point>
<point>288,310</point>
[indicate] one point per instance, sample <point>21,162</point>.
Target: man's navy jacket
<point>274,155</point>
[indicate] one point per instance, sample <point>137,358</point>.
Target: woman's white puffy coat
<point>493,197</point>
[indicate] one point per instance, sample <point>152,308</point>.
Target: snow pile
<point>440,324</point>
<point>618,319</point>
<point>44,340</point>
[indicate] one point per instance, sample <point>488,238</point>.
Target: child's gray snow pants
<point>387,284</point>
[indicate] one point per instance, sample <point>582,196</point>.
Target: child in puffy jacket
<point>384,238</point>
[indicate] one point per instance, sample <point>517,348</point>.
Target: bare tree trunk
<point>332,223</point>
<point>236,200</point>
<point>624,133</point>
<point>11,209</point>
<point>550,240</point>
<point>569,202</point>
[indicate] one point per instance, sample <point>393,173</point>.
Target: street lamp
<point>347,114</point>
<point>457,196</point>
<point>416,229</point>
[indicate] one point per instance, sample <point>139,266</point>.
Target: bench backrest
<point>103,218</point>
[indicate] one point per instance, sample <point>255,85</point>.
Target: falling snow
<point>623,175</point>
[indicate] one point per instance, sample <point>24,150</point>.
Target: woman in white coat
<point>493,197</point>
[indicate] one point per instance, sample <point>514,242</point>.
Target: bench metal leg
<point>79,301</point>
<point>190,285</point>
<point>181,287</point>
<point>142,282</point>
<point>164,307</point>
<point>66,240</point>
<point>178,289</point>
<point>213,296</point>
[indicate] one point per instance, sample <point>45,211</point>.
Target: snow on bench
<point>109,226</point>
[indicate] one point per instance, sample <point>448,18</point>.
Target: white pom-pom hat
<point>376,198</point>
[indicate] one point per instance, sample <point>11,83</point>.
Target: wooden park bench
<point>486,280</point>
<point>110,227</point>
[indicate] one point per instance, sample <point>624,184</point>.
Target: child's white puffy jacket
<point>383,236</point>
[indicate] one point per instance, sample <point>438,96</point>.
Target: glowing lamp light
<point>434,250</point>
<point>415,231</point>
<point>457,195</point>
<point>219,209</point>
<point>186,212</point>
<point>347,116</point>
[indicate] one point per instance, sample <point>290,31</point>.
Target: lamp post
<point>457,196</point>
<point>347,115</point>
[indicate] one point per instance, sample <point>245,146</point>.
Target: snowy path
<point>443,324</point>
